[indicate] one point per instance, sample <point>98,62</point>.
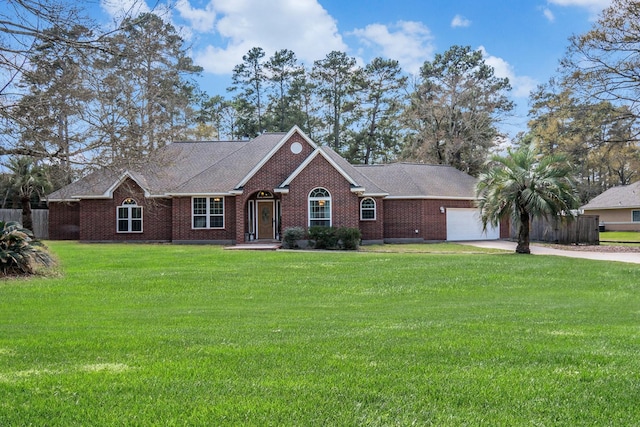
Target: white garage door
<point>464,224</point>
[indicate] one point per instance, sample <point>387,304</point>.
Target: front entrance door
<point>265,220</point>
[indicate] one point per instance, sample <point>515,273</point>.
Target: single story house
<point>618,208</point>
<point>231,192</point>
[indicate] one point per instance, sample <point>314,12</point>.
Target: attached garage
<point>465,224</point>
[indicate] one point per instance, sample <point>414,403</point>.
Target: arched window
<point>319,207</point>
<point>368,209</point>
<point>129,217</point>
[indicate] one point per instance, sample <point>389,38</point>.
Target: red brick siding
<point>182,222</point>
<point>404,217</point>
<point>98,217</point>
<point>64,221</point>
<point>345,205</point>
<point>374,230</point>
<point>270,176</point>
<point>505,228</point>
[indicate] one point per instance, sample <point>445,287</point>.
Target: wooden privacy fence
<point>583,230</point>
<point>40,220</point>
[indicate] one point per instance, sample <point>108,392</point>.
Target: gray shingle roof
<point>225,172</point>
<point>371,188</point>
<point>624,196</point>
<point>414,180</point>
<point>167,169</point>
<point>187,168</point>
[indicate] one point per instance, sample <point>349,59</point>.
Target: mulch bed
<point>597,248</point>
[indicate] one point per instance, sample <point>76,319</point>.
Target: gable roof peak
<point>284,137</point>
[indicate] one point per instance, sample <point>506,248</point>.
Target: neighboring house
<point>618,208</point>
<point>242,191</point>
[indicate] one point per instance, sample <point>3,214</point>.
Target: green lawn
<point>194,335</point>
<point>620,236</point>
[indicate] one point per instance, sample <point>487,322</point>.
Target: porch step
<point>255,247</point>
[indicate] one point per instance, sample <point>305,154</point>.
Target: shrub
<point>292,235</point>
<point>349,238</point>
<point>334,238</point>
<point>323,237</point>
<point>20,253</point>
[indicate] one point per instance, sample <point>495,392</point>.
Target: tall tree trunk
<point>27,221</point>
<point>523,234</point>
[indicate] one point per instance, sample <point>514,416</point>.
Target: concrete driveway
<point>631,257</point>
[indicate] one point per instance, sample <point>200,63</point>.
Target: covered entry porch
<point>263,214</point>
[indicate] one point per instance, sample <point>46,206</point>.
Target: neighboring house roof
<point>223,167</point>
<point>415,181</point>
<point>621,197</point>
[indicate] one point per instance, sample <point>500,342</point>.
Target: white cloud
<point>460,21</point>
<point>548,14</point>
<point>408,42</point>
<point>593,6</point>
<point>302,26</point>
<point>120,8</point>
<point>601,4</point>
<point>200,20</point>
<point>236,26</point>
<point>521,85</point>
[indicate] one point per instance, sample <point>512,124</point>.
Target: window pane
<point>123,213</point>
<point>136,225</point>
<point>319,192</point>
<point>326,209</point>
<point>199,206</point>
<point>216,206</point>
<point>636,216</point>
<point>123,225</point>
<point>320,222</point>
<point>368,214</point>
<point>199,222</point>
<point>217,222</point>
<point>136,212</point>
<point>319,209</point>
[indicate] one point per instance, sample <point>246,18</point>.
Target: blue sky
<point>522,39</point>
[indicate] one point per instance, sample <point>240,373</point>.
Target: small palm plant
<point>524,185</point>
<point>20,253</point>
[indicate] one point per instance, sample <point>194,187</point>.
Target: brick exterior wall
<point>98,217</point>
<point>373,230</point>
<point>182,223</point>
<point>64,220</point>
<point>345,205</point>
<point>404,217</point>
<point>270,176</point>
<point>505,228</point>
<point>171,219</point>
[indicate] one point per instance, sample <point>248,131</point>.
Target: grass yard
<point>194,335</point>
<point>620,236</point>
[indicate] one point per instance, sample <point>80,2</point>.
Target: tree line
<point>78,99</point>
<point>75,97</point>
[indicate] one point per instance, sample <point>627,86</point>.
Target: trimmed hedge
<point>334,238</point>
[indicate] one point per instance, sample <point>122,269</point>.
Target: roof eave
<point>203,194</point>
<point>600,208</point>
<point>423,197</point>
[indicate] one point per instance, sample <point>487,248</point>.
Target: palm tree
<point>26,180</point>
<point>523,185</point>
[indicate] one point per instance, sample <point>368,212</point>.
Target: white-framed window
<point>129,217</point>
<point>319,207</point>
<point>207,212</point>
<point>635,216</point>
<point>368,209</point>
